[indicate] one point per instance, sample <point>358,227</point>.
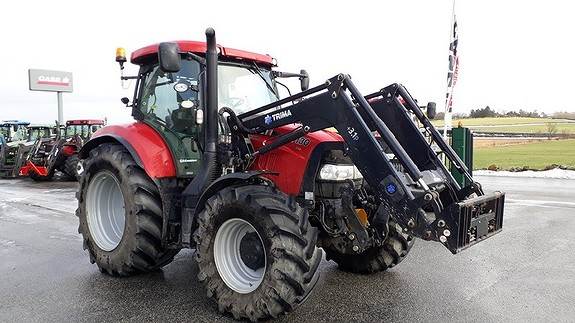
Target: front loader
<point>402,170</point>
<point>60,152</point>
<point>261,186</point>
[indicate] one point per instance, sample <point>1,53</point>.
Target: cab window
<point>167,97</point>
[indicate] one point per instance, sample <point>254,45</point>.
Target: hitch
<point>472,220</point>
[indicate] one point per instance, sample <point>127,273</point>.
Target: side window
<point>159,96</point>
<point>170,97</point>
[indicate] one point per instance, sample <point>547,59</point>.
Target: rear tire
<point>120,213</point>
<point>289,272</point>
<point>376,259</point>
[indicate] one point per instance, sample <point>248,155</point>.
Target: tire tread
<point>143,248</point>
<point>295,255</point>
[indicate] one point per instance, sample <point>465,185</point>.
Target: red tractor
<point>216,161</point>
<point>61,152</point>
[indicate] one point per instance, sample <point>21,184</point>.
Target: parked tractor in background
<point>10,131</point>
<point>13,130</point>
<point>59,153</point>
<point>13,155</point>
<point>218,162</point>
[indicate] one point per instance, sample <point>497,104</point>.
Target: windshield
<point>84,131</point>
<point>39,133</point>
<point>14,133</point>
<point>168,97</point>
<point>243,89</point>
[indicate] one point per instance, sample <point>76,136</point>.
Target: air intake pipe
<point>211,107</point>
<point>210,170</point>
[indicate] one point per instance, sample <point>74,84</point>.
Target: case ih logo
<point>277,116</point>
<point>53,80</point>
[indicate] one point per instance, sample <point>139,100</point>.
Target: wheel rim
<point>105,210</point>
<point>239,254</point>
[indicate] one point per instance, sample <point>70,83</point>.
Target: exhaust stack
<point>211,107</point>
<point>210,168</point>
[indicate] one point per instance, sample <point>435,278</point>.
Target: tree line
<point>488,112</point>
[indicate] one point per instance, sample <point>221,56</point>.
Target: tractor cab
<point>13,130</point>
<point>169,98</point>
<point>36,132</point>
<point>82,128</point>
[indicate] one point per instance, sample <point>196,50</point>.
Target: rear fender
<point>146,146</point>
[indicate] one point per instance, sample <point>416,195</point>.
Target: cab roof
<point>143,55</point>
<point>14,122</point>
<point>85,122</point>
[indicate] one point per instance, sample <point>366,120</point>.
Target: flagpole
<point>448,118</point>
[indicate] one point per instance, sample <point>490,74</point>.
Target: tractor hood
<point>292,160</point>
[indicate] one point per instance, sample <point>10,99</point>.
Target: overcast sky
<point>513,54</point>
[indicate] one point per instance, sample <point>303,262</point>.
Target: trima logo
<point>277,116</point>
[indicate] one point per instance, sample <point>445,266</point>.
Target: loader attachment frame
<point>395,158</point>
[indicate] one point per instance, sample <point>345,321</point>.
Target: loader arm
<point>421,194</point>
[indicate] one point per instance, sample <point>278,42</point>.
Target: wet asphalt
<point>525,273</point>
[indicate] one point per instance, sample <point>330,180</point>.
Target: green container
<point>462,143</point>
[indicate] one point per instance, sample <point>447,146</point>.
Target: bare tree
<point>551,129</point>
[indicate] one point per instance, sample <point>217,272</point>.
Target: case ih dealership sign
<point>52,81</point>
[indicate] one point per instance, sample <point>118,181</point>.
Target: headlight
<point>332,172</point>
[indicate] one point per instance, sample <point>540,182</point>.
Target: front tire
<point>120,213</point>
<point>395,248</point>
<point>256,252</point>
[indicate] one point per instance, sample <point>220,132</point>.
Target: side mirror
<point>431,110</point>
<point>169,57</point>
<point>304,80</point>
<point>125,100</point>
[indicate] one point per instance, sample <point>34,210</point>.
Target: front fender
<point>193,204</point>
<point>225,181</point>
